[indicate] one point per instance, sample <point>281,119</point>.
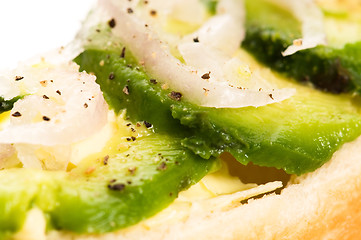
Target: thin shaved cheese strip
<point>191,83</point>
<point>65,106</point>
<point>189,205</point>
<point>311,18</point>
<point>224,202</point>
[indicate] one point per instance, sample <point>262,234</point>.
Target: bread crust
<point>325,204</point>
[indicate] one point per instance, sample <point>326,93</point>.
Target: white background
<point>29,27</point>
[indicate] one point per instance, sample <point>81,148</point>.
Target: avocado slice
<point>106,194</point>
<point>270,30</point>
<point>297,135</point>
<point>6,105</point>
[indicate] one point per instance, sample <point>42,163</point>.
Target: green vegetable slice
<point>116,192</point>
<point>270,30</point>
<point>298,134</point>
<point>6,105</point>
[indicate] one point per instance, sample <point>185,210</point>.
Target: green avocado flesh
<point>119,191</point>
<point>297,135</point>
<point>6,105</point>
<point>270,30</point>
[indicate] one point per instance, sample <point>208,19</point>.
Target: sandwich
<point>187,120</point>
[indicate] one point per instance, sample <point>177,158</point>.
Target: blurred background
<point>29,27</point>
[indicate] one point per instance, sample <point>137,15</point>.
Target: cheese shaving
<point>311,17</point>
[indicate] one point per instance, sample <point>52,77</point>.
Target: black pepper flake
<point>18,78</point>
<point>126,90</point>
<point>45,118</point>
<point>129,65</point>
<point>128,124</point>
<point>129,182</point>
<point>105,160</point>
<point>86,105</point>
<point>111,76</point>
<point>147,124</point>
<point>112,23</point>
<point>206,75</point>
<point>133,138</point>
<point>271,96</point>
<point>176,163</point>
<point>175,95</point>
<point>45,97</point>
<point>153,13</point>
<point>133,130</point>
<point>122,54</point>
<point>16,114</point>
<point>128,139</point>
<point>153,81</point>
<point>97,30</point>
<point>58,92</point>
<point>195,39</point>
<point>162,166</point>
<point>129,10</point>
<point>116,187</point>
<point>170,194</point>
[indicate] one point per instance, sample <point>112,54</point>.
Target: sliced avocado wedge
<point>6,105</point>
<point>102,195</point>
<point>270,30</point>
<point>298,134</point>
<point>130,187</point>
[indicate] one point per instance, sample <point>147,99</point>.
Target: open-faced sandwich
<point>197,119</point>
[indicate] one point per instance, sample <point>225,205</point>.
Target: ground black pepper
<point>116,187</point>
<point>18,78</point>
<point>105,160</point>
<point>111,76</point>
<point>122,54</point>
<point>162,166</point>
<point>147,124</point>
<point>16,114</point>
<point>206,75</point>
<point>175,95</point>
<point>153,13</point>
<point>112,23</point>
